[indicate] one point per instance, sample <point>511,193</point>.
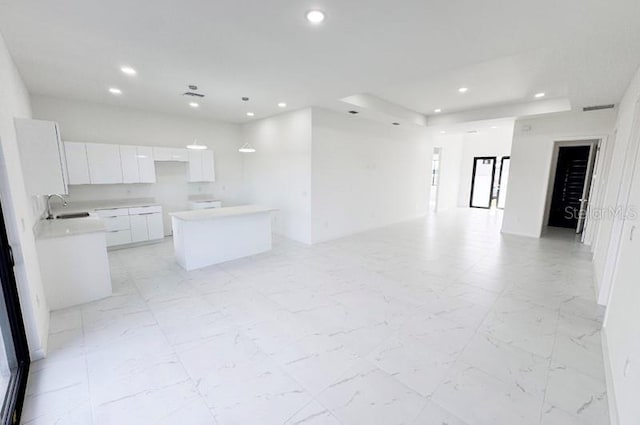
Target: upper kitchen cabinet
<point>77,163</point>
<point>170,154</point>
<point>42,156</point>
<point>129,161</point>
<point>146,166</point>
<point>201,166</point>
<point>105,166</point>
<point>137,164</point>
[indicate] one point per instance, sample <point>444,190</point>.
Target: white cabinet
<point>105,166</point>
<point>42,156</point>
<point>146,166</point>
<point>139,231</point>
<point>131,225</point>
<point>201,166</point>
<point>146,223</point>
<point>208,167</point>
<point>129,163</point>
<point>195,166</point>
<point>170,154</point>
<point>77,164</point>
<point>155,227</point>
<point>204,205</point>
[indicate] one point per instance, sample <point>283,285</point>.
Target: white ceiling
<point>415,53</point>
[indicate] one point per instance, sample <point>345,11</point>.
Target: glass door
<point>484,168</point>
<point>14,352</point>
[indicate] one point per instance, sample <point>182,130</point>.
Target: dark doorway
<point>482,181</point>
<point>14,351</point>
<point>568,187</point>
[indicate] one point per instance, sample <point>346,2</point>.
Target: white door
<point>146,166</point>
<point>129,160</point>
<point>77,165</point>
<point>155,227</point>
<point>195,166</point>
<point>139,232</point>
<point>104,163</point>
<point>622,199</point>
<point>622,320</point>
<point>208,166</point>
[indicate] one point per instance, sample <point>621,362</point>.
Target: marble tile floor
<point>427,322</point>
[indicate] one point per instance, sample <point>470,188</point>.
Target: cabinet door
<point>129,161</point>
<point>77,165</point>
<point>208,167</point>
<point>104,163</point>
<point>161,154</point>
<point>195,166</point>
<point>139,230</point>
<point>178,154</point>
<point>155,226</point>
<point>41,155</point>
<point>146,165</point>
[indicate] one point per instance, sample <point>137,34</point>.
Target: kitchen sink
<point>73,215</point>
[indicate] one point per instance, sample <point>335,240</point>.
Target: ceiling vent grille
<point>598,107</point>
<point>192,94</point>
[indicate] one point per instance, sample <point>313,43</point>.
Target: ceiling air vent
<point>192,94</point>
<point>598,107</point>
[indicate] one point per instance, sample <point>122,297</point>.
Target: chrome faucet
<point>49,213</point>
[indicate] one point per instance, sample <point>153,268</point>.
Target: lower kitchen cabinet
<point>132,225</point>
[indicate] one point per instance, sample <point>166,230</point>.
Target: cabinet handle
<point>146,213</point>
<point>631,233</point>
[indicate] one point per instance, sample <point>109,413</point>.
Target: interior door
<point>568,187</point>
<point>482,180</point>
<point>503,181</point>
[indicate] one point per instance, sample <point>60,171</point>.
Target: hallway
<point>442,320</point>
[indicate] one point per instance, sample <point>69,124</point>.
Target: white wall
<point>452,146</point>
<point>90,122</point>
<point>278,174</point>
<point>366,174</point>
<point>531,157</point>
<point>20,211</point>
<point>622,321</point>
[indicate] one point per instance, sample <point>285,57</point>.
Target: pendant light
<point>196,146</point>
<point>247,148</point>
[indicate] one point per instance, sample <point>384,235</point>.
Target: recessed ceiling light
<point>443,132</point>
<point>194,104</point>
<point>494,126</point>
<point>463,89</point>
<point>315,16</point>
<point>128,70</point>
<point>282,105</point>
<point>114,90</point>
<point>539,95</point>
<point>250,114</point>
<point>437,111</point>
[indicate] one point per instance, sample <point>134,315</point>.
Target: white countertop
<point>213,213</point>
<point>89,206</point>
<point>202,198</point>
<point>47,229</point>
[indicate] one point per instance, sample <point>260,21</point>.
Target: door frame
<point>553,168</point>
<point>473,179</point>
<point>500,179</point>
<point>16,389</point>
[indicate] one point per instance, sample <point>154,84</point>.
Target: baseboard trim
<point>608,373</point>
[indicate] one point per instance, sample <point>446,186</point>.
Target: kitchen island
<point>205,237</point>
